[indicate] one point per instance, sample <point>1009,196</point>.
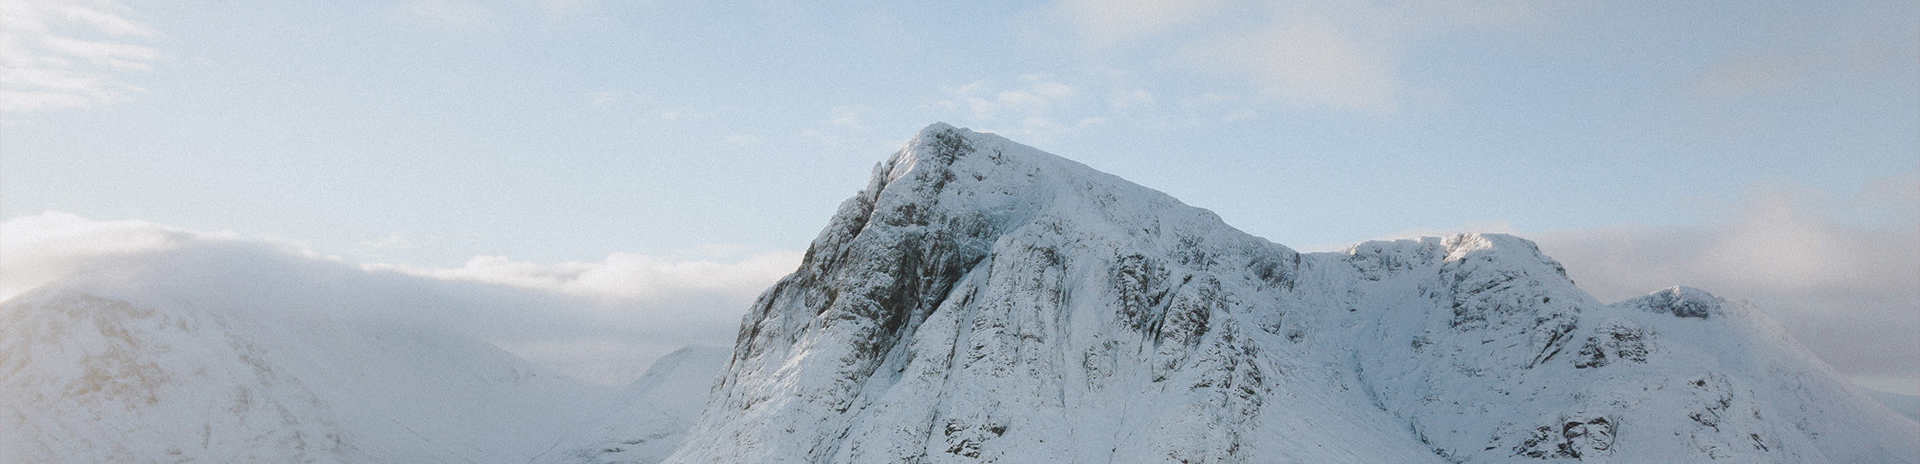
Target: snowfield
<point>980,301</point>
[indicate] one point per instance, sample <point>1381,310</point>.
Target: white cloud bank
<point>601,321</point>
<point>69,53</point>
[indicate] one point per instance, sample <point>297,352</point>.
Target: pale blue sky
<point>568,129</point>
<point>1759,149</point>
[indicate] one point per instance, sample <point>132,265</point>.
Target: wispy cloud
<point>70,54</point>
<point>1106,23</point>
<point>609,97</point>
<point>493,16</point>
<point>1312,61</point>
<point>1126,99</point>
<point>1343,55</point>
<point>1850,45</point>
<point>563,7</point>
<point>1775,70</point>
<point>1037,107</point>
<point>845,127</point>
<point>1036,96</point>
<point>845,136</point>
<point>851,118</point>
<point>452,15</point>
<point>599,320</point>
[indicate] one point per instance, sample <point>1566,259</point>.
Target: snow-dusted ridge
<point>982,301</point>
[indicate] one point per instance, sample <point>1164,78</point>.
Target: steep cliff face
<point>981,301</point>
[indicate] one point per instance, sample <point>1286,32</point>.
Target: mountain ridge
<point>980,300</point>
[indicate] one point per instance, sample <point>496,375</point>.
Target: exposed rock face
<point>981,301</point>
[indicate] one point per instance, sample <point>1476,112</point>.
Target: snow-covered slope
<point>1906,405</point>
<point>655,411</point>
<point>981,301</point>
<point>91,377</point>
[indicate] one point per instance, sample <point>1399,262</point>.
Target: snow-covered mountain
<point>982,301</point>
<point>89,377</point>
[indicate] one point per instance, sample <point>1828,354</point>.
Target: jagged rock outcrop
<point>981,301</point>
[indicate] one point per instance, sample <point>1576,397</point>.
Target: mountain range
<point>983,301</point>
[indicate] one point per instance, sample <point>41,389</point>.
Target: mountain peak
<point>1681,301</point>
<point>985,301</point>
<point>979,301</point>
<point>937,127</point>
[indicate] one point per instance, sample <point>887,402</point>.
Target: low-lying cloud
<point>601,321</point>
<point>1841,274</point>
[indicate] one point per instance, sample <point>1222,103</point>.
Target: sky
<point>674,156</point>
